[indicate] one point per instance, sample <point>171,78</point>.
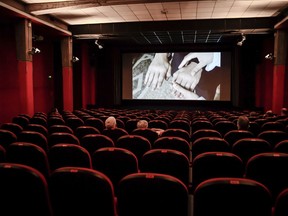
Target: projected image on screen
<point>181,76</point>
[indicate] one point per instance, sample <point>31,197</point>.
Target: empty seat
<point>61,155</point>
<point>134,143</point>
<point>247,147</point>
<point>40,120</point>
<point>209,144</point>
<point>33,137</point>
<point>74,122</point>
<point>225,126</point>
<point>21,120</point>
<point>166,161</point>
<point>232,196</point>
<point>55,120</point>
<point>205,133</point>
<point>201,124</point>
<point>62,137</point>
<point>273,125</point>
<point>131,125</point>
<point>177,132</point>
<point>281,204</point>
<point>24,191</point>
<point>158,123</point>
<point>60,128</point>
<point>81,131</point>
<point>81,191</point>
<point>180,124</point>
<point>152,194</point>
<point>29,154</point>
<point>273,136</point>
<point>270,169</point>
<point>216,164</point>
<point>114,133</point>
<point>176,143</point>
<point>282,146</point>
<point>234,135</point>
<point>38,128</point>
<point>13,127</point>
<point>93,142</point>
<point>115,163</point>
<point>96,123</point>
<point>7,137</point>
<point>2,154</point>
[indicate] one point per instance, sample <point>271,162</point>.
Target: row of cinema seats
<point>84,191</point>
<point>169,170</point>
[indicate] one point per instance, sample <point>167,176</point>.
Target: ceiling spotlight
<point>240,43</point>
<point>34,50</point>
<point>75,59</point>
<point>269,56</point>
<point>99,45</point>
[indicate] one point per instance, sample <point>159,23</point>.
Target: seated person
<point>110,122</point>
<point>243,123</point>
<point>144,124</point>
<point>284,112</point>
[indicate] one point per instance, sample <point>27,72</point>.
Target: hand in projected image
<point>207,60</point>
<point>158,70</point>
<point>182,93</point>
<point>184,77</point>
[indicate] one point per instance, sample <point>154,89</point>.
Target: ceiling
<point>157,22</point>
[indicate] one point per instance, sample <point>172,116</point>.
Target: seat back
<point>24,191</point>
<point>29,154</point>
<point>7,137</point>
<point>38,128</point>
<point>282,146</point>
<point>13,127</point>
<point>62,137</point>
<point>273,136</point>
<point>134,143</point>
<point>96,123</point>
<point>209,144</point>
<point>205,133</point>
<point>148,133</point>
<point>83,130</point>
<point>225,126</point>
<point>81,191</point>
<point>177,132</point>
<point>270,169</point>
<point>115,133</point>
<point>152,194</point>
<point>247,147</point>
<point>215,164</point>
<point>173,142</point>
<point>234,135</point>
<point>232,196</point>
<point>61,155</point>
<point>59,128</point>
<point>167,161</point>
<point>281,204</point>
<point>93,142</point>
<point>180,124</point>
<point>115,163</point>
<point>33,137</point>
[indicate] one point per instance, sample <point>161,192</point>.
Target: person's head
<point>110,122</point>
<point>284,111</point>
<point>243,123</point>
<point>142,124</point>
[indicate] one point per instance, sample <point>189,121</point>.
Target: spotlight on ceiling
<point>34,50</point>
<point>240,43</point>
<point>75,59</point>
<point>269,56</point>
<point>99,45</point>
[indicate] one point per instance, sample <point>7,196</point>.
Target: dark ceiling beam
<point>217,25</point>
<point>38,7</point>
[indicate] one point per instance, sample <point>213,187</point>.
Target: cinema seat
<point>24,191</point>
<point>81,191</point>
<point>152,194</point>
<point>232,196</point>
